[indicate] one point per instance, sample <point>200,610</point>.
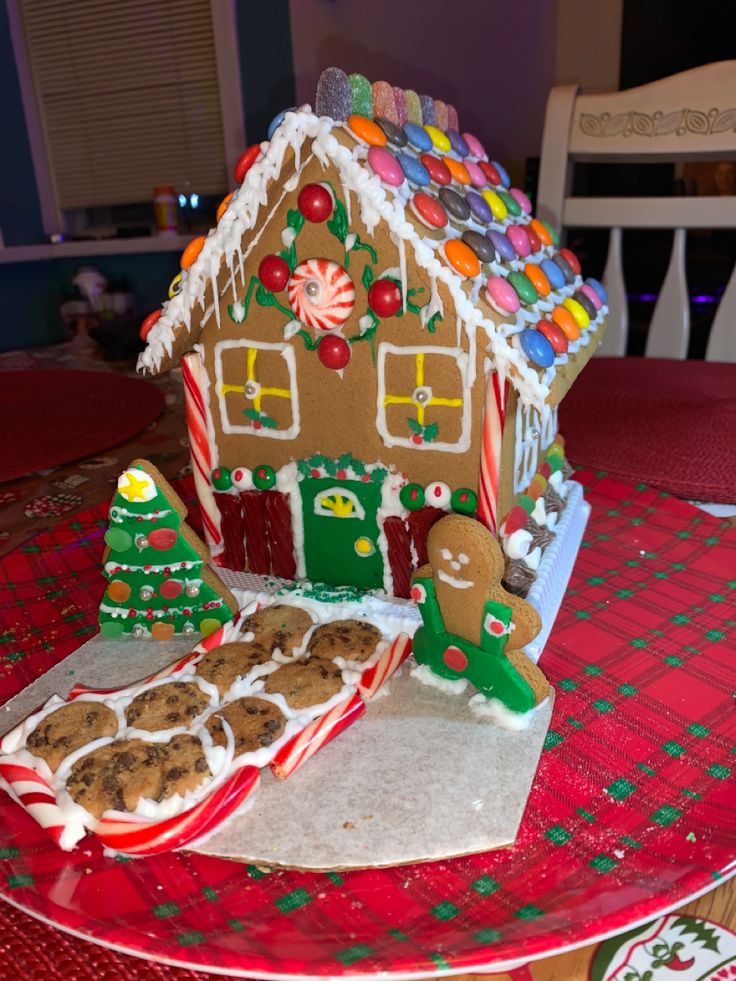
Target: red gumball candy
<point>162,539</point>
<point>148,323</point>
<point>334,352</point>
<point>315,202</point>
<point>246,161</point>
<point>274,273</point>
<point>384,298</point>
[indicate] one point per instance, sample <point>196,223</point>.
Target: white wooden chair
<point>690,116</point>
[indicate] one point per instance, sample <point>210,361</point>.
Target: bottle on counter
<point>164,208</point>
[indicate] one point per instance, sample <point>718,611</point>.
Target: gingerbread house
<point>376,333</point>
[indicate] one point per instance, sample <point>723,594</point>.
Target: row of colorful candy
<point>550,337</point>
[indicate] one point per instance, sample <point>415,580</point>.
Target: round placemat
<point>54,417</point>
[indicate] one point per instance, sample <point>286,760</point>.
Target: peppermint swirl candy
<point>321,294</point>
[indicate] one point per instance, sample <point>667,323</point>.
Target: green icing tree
<point>159,583</point>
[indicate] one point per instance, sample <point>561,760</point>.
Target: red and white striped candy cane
<point>156,837</point>
<point>195,400</point>
<point>373,677</point>
<point>312,737</point>
<point>494,417</point>
<point>36,797</point>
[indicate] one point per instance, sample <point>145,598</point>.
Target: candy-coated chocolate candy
<point>111,629</point>
<point>458,170</point>
<point>361,94</point>
<point>535,243</point>
<point>454,204</point>
<point>502,173</point>
<point>475,147</point>
<point>175,285</point>
<point>458,144</point>
<point>384,298</point>
<point>599,288</point>
<point>384,103</point>
<point>479,207</point>
<point>385,164</point>
<point>439,139</point>
<point>264,477</point>
<point>502,296</point>
<point>464,501</point>
<point>462,258</point>
<point>537,348</point>
<point>162,539</point>
<point>118,540</point>
<point>440,115</point>
<point>148,323</point>
<point>544,236</point>
<point>208,626</point>
<point>171,588</point>
<point>494,202</point>
<point>438,172</point>
<point>594,297</point>
<point>476,175</point>
<point>502,245</point>
<point>553,273</point>
<point>511,203</point>
<point>427,104</point>
<point>516,234</point>
<point>526,502</point>
<point>490,172</point>
<point>334,97</point>
<point>274,273</point>
<point>437,494</point>
<point>537,278</point>
<point>414,113</point>
<point>119,591</point>
<point>223,205</point>
<point>578,311</point>
<point>412,496</point>
<point>394,134</point>
<point>277,121</point>
<point>334,352</point>
<point>429,210</point>
<point>586,303</point>
<point>552,231</point>
<point>190,253</point>
<point>414,170</point>
<point>245,162</point>
<point>565,268</point>
<point>221,478</point>
<point>417,136</point>
<point>401,107</point>
<point>521,199</point>
<point>515,520</point>
<point>523,286</point>
<point>554,335</point>
<point>566,322</point>
<point>366,130</point>
<point>572,260</point>
<point>480,245</point>
<point>315,202</point>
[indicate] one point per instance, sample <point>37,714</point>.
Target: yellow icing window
<point>255,384</point>
<point>423,399</point>
<point>336,502</point>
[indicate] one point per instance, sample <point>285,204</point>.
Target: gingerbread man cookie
<point>473,628</point>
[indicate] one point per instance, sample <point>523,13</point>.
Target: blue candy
<point>553,273</point>
<point>598,287</point>
<point>537,348</point>
<point>277,121</point>
<point>505,179</point>
<point>504,248</point>
<point>479,207</point>
<point>418,137</point>
<point>414,170</point>
<point>458,144</point>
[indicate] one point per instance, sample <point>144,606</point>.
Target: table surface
<point>76,486</point>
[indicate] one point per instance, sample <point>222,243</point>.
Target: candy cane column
<point>195,400</point>
<point>494,415</point>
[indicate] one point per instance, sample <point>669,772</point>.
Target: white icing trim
<point>287,353</point>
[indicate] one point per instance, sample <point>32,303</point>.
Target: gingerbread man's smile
<point>455,564</point>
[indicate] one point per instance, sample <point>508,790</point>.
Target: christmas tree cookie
<point>159,583</point>
<point>472,628</point>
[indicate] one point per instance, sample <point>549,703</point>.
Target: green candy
<point>464,501</point>
<point>221,479</point>
<point>362,93</point>
<point>555,462</point>
<point>513,206</point>
<point>118,540</point>
<point>528,503</point>
<point>412,496</point>
<point>112,629</point>
<point>523,286</point>
<point>264,477</point>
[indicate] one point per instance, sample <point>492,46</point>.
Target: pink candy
<point>521,199</point>
<point>501,294</point>
<point>516,234</point>
<point>385,164</point>
<point>475,146</point>
<point>477,177</point>
<point>592,295</point>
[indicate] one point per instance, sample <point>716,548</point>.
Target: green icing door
<point>341,531</point>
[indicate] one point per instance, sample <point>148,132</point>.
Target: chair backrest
<point>690,116</point>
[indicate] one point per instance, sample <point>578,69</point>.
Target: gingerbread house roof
<point>502,269</point>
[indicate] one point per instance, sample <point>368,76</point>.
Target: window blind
<point>128,97</point>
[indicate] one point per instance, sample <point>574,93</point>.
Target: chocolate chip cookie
<point>71,727</point>
<point>278,626</point>
<point>117,776</point>
<point>254,721</point>
<point>184,766</point>
<point>166,706</point>
<point>222,665</point>
<point>354,640</point>
<point>305,683</point>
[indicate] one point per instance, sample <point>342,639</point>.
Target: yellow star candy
<point>135,488</point>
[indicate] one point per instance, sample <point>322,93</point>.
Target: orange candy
<point>191,252</point>
<point>458,170</point>
<point>118,591</point>
<point>534,490</point>
<point>544,236</point>
<point>462,258</point>
<point>566,322</point>
<point>538,279</point>
<point>222,207</point>
<point>162,631</point>
<point>366,130</point>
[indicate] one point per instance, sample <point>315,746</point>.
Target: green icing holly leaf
<point>265,420</point>
<point>359,244</point>
<point>344,461</point>
<point>430,433</point>
<point>289,256</point>
<point>415,426</point>
<point>367,277</point>
<point>338,223</point>
<point>433,321</point>
<point>378,475</point>
<point>357,467</point>
<point>295,219</point>
<point>303,467</point>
